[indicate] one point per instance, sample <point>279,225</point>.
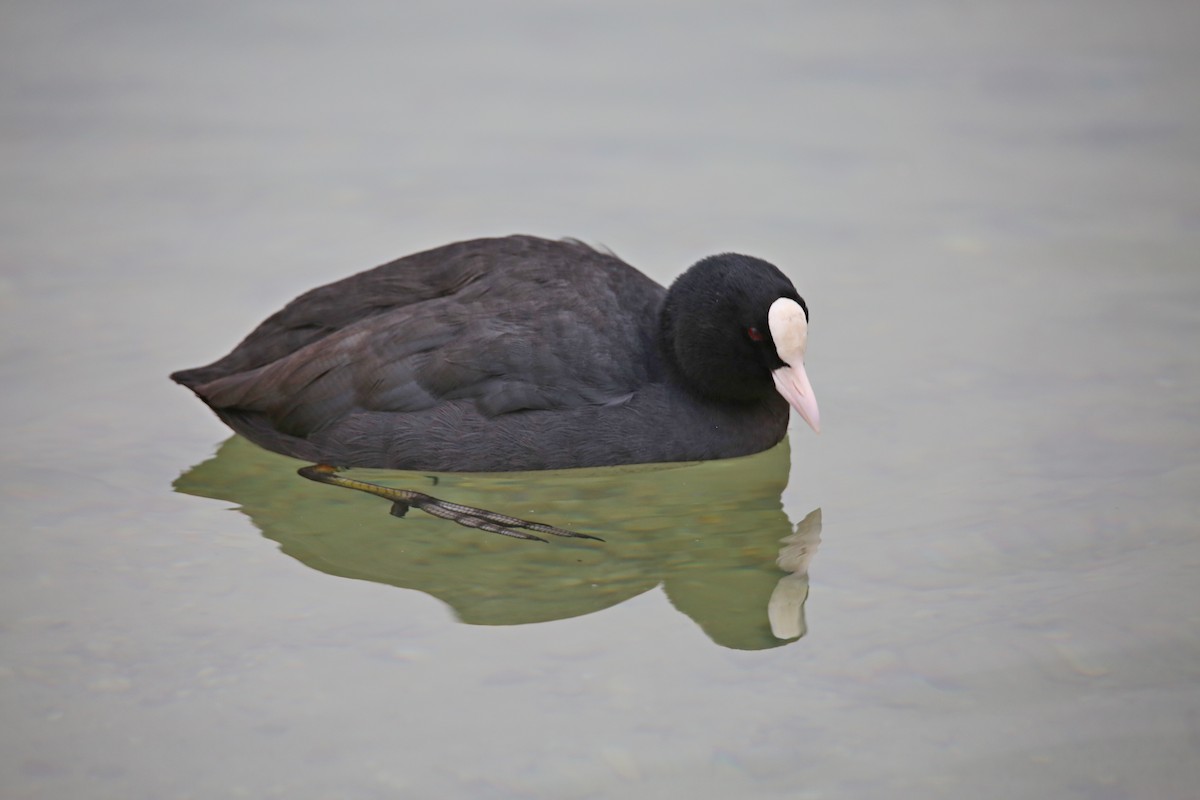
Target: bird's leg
<point>403,499</point>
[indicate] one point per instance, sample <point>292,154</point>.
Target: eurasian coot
<point>518,353</point>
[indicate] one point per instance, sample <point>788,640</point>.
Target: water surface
<point>991,550</point>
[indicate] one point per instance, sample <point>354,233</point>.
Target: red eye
<point>755,334</point>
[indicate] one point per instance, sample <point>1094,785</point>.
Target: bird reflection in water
<point>713,534</point>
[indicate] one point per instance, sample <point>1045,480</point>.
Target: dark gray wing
<point>522,324</point>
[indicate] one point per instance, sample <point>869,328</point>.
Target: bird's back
<point>487,328</point>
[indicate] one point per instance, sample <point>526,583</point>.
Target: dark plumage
<point>516,353</point>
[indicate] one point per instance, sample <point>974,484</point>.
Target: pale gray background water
<point>994,212</point>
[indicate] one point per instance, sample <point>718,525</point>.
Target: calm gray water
<point>991,551</point>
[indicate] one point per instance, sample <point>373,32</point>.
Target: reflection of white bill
<point>785,610</point>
